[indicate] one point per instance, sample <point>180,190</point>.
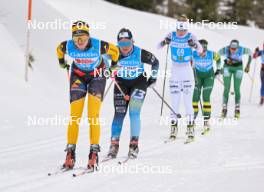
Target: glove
<point>151,82</point>
<point>228,61</point>
<point>191,43</point>
<point>255,55</point>
<point>65,66</point>
<point>247,69</point>
<point>217,72</point>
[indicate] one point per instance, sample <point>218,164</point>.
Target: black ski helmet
<point>80,27</point>
<point>204,43</point>
<point>124,33</point>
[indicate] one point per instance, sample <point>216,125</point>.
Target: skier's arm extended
<point>61,51</point>
<point>247,51</point>
<point>149,58</point>
<point>110,50</point>
<point>195,44</point>
<point>165,41</point>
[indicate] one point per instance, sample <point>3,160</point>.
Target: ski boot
<point>261,101</point>
<point>224,111</point>
<point>190,133</point>
<point>237,111</point>
<point>133,148</point>
<point>70,157</point>
<point>112,153</point>
<point>206,127</point>
<point>93,157</point>
<point>174,130</point>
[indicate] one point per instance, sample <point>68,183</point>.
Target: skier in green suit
<point>204,81</point>
<point>233,66</point>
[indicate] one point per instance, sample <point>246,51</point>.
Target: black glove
<point>65,66</point>
<point>191,43</point>
<point>247,68</point>
<point>217,72</point>
<point>151,81</point>
<point>257,50</point>
<point>228,61</point>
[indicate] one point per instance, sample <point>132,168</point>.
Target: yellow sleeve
<point>61,50</point>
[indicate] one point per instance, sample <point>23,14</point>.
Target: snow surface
<point>231,158</point>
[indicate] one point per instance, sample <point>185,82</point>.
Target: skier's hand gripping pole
<point>108,88</point>
<point>177,114</point>
<point>252,78</point>
<point>126,97</point>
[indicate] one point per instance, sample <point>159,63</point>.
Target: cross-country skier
<point>87,55</point>
<point>233,66</point>
<point>131,79</point>
<point>181,43</point>
<point>204,81</point>
<point>258,53</point>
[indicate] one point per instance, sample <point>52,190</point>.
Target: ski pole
<point>177,114</point>
<point>164,81</point>
<point>68,74</point>
<point>231,92</point>
<point>126,97</point>
<point>108,88</point>
<point>253,80</point>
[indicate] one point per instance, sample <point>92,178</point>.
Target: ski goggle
<point>80,38</point>
<point>124,43</point>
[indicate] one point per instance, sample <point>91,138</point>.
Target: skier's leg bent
<point>238,75</point>
<point>188,88</point>
<point>78,92</point>
<point>207,90</point>
<point>77,98</point>
<point>227,83</point>
<point>237,83</point>
<point>96,92</point>
<point>120,105</point>
<point>95,97</point>
<point>175,92</point>
<point>197,95</point>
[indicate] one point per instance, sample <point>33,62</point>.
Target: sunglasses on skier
<point>124,43</point>
<point>233,46</point>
